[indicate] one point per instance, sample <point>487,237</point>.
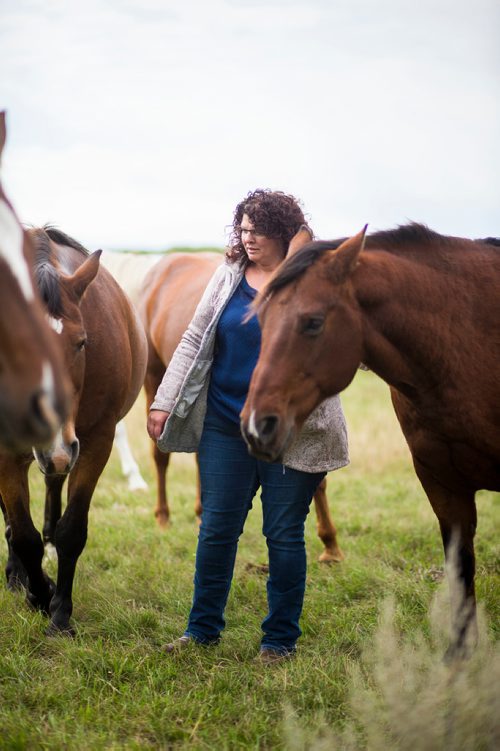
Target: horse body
<point>33,390</point>
<point>105,356</point>
<point>129,270</point>
<point>168,299</point>
<point>423,312</point>
<point>443,378</point>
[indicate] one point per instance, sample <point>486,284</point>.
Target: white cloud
<point>142,124</point>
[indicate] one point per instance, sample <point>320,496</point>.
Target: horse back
<point>450,412</point>
<point>169,296</point>
<point>129,269</point>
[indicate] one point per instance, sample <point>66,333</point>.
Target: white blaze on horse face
<point>252,426</point>
<point>47,397</point>
<point>56,324</point>
<point>47,378</point>
<point>11,249</point>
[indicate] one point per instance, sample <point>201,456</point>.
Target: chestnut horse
<point>167,301</point>
<point>34,394</point>
<point>105,356</point>
<point>423,312</point>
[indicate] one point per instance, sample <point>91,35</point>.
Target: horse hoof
<point>64,630</point>
<point>16,576</point>
<point>162,520</point>
<point>15,583</point>
<point>35,603</point>
<point>331,556</point>
<point>42,603</point>
<point>136,482</point>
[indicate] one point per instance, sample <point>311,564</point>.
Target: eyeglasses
<point>254,232</point>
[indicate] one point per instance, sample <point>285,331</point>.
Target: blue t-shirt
<point>237,347</point>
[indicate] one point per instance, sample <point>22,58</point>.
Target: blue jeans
<point>230,477</point>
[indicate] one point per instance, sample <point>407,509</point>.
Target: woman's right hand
<point>156,422</point>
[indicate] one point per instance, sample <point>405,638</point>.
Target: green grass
<point>111,688</point>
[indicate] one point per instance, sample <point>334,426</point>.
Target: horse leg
<point>456,513</point>
<point>52,512</point>
<point>14,570</point>
<point>24,564</point>
<point>71,529</point>
<point>162,511</point>
<point>152,380</point>
<point>327,532</point>
<point>130,468</point>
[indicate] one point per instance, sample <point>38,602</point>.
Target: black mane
<point>45,272</point>
<point>61,238</point>
<point>405,234</point>
<point>294,267</point>
<point>402,236</point>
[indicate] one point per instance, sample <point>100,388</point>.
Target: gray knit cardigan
<point>321,445</point>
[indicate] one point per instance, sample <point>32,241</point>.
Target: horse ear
<point>303,236</point>
<point>85,274</point>
<point>346,255</point>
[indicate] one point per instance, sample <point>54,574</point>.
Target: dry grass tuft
<point>405,697</point>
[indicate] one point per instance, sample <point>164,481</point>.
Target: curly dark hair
<point>273,213</point>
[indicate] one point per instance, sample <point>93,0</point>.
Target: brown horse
<point>168,298</point>
<point>167,301</point>
<point>34,394</point>
<point>423,312</point>
<point>105,357</point>
<point>129,270</point>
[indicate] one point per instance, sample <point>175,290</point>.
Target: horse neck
<point>400,329</point>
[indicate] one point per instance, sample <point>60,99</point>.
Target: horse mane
<point>45,272</point>
<point>403,235</point>
<point>61,238</point>
<point>394,240</point>
<point>294,267</point>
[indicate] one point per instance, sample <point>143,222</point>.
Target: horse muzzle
<point>33,420</point>
<point>267,437</point>
<point>59,459</point>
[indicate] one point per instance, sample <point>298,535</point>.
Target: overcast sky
<point>141,123</point>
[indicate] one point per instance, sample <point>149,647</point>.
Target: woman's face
<point>262,250</point>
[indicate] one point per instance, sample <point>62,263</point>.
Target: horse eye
<point>81,344</point>
<point>312,325</point>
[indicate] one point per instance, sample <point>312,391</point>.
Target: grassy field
<point>362,675</point>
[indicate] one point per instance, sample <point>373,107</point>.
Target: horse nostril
<point>267,427</point>
<point>75,450</point>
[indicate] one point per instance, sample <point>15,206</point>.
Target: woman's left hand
<point>156,422</point>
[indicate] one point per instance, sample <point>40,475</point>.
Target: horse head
<point>307,307</point>
<point>33,388</point>
<point>63,294</point>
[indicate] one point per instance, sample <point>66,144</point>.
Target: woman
<point>197,408</point>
